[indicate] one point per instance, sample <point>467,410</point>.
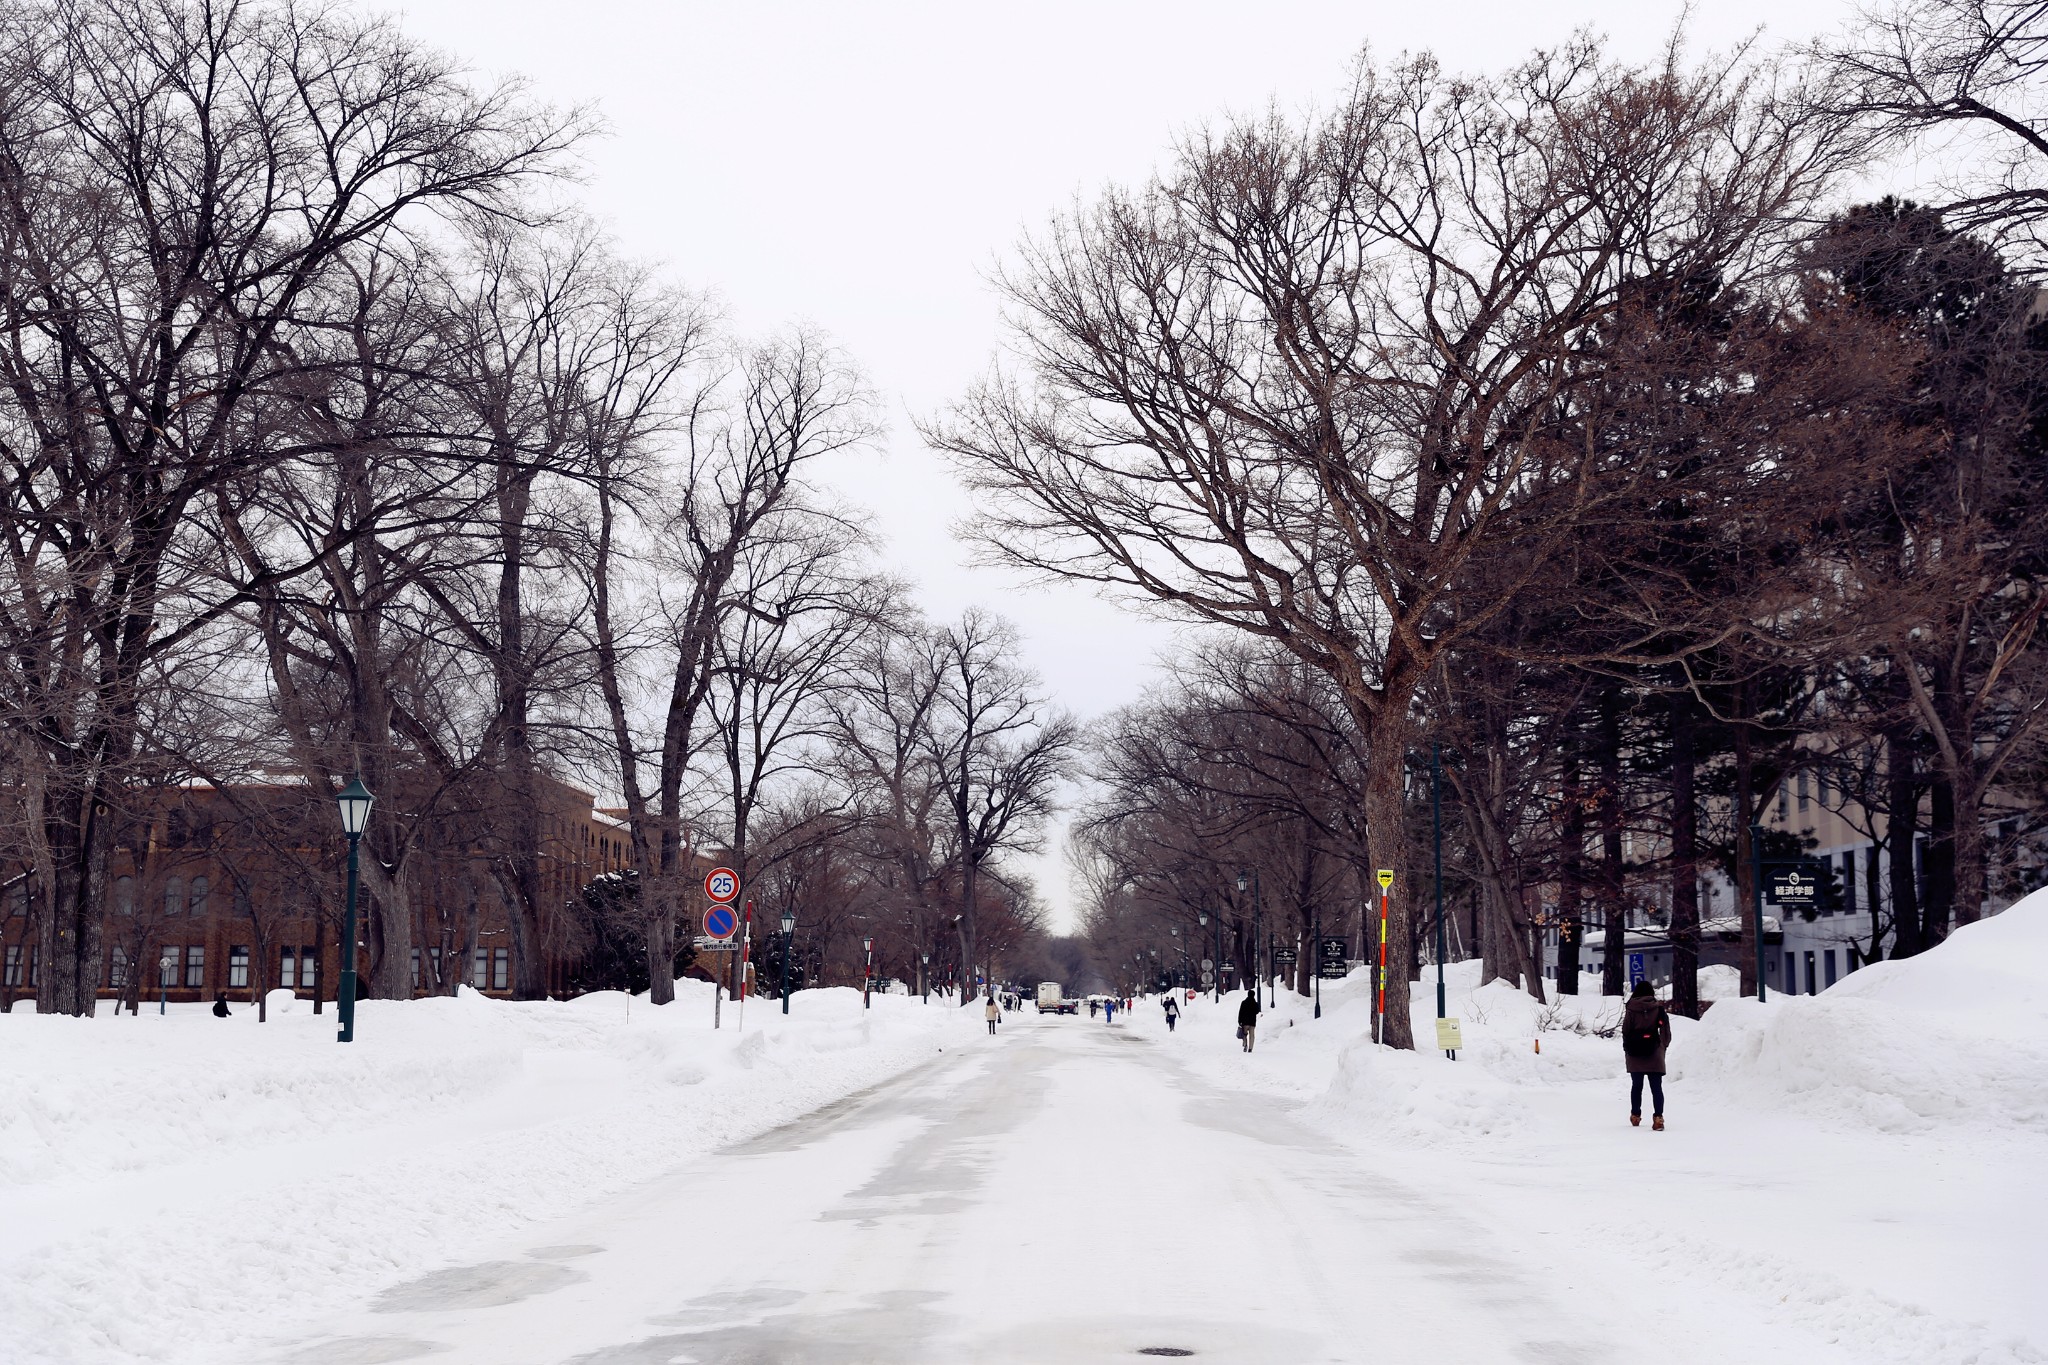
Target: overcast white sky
<point>861,166</point>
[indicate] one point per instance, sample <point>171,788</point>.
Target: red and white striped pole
<point>1379,1022</point>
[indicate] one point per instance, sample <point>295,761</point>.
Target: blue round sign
<point>720,922</point>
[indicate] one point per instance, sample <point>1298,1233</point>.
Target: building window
<point>479,969</point>
<point>309,969</point>
<point>1784,804</point>
<point>174,896</point>
<point>124,896</point>
<point>243,908</point>
<point>415,969</point>
<point>195,966</point>
<point>167,966</point>
<point>13,977</point>
<point>1828,965</point>
<point>199,893</point>
<point>238,966</point>
<point>1849,881</point>
<point>286,966</point>
<point>1812,987</point>
<point>117,969</point>
<point>501,968</point>
<point>1791,985</point>
<point>1850,956</point>
<point>1802,790</point>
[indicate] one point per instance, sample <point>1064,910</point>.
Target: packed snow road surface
<point>1065,1192</point>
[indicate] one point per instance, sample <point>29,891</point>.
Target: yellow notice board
<point>1386,878</point>
<point>1449,1037</point>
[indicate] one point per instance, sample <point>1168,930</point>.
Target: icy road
<point>1064,1192</point>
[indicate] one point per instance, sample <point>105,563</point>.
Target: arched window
<point>199,890</point>
<point>174,896</point>
<point>124,896</point>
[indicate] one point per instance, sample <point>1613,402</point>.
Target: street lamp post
<point>1316,961</point>
<point>1215,962</point>
<point>1436,813</point>
<point>355,802</point>
<point>163,981</point>
<point>867,974</point>
<point>924,976</point>
<point>1258,928</point>
<point>788,933</point>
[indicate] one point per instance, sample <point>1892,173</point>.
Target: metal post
<point>345,1005</point>
<point>787,935</point>
<point>1436,811</point>
<point>1756,859</point>
<point>867,976</point>
<point>924,976</point>
<point>1316,963</point>
<point>163,974</point>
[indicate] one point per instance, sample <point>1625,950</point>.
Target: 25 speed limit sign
<point>721,885</point>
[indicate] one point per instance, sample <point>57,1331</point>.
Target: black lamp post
<point>788,933</point>
<point>924,976</point>
<point>355,802</point>
<point>1258,927</point>
<point>867,975</point>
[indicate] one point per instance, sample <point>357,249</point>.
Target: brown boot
<point>1635,1120</point>
<point>1657,1124</point>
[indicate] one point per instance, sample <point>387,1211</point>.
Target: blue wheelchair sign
<point>1635,968</point>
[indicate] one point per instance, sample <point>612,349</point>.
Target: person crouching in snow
<point>220,1005</point>
<point>1645,1033</point>
<point>991,1013</point>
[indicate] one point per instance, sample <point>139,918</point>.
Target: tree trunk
<point>1571,931</point>
<point>1939,872</point>
<point>1613,876</point>
<point>1969,872</point>
<point>1685,878</point>
<point>1902,819</point>
<point>1745,854</point>
<point>1387,838</point>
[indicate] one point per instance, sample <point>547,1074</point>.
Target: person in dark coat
<point>1645,1033</point>
<point>220,1005</point>
<point>1248,1018</point>
<point>1172,1012</point>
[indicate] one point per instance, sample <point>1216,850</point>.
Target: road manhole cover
<point>1164,1351</point>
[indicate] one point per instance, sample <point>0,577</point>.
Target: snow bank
<point>1957,1036</point>
<point>171,1185</point>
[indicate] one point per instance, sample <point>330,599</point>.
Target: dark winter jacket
<point>1248,1012</point>
<point>1647,1011</point>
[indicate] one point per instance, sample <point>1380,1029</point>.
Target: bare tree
<point>176,183</point>
<point>1294,386</point>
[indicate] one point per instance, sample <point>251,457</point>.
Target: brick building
<point>240,890</point>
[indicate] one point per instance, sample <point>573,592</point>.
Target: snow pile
<point>164,1178</point>
<point>1956,1036</point>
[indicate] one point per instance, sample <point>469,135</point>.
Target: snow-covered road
<point>1064,1192</point>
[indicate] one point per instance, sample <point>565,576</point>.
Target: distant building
<point>219,890</point>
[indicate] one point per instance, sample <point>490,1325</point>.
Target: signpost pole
<point>746,952</point>
<point>1756,857</point>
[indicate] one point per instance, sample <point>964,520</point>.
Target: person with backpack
<point>991,1013</point>
<point>1172,1013</point>
<point>1645,1033</point>
<point>1248,1018</point>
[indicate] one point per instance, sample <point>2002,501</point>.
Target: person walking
<point>1248,1019</point>
<point>991,1013</point>
<point>1091,1007</point>
<point>1109,1011</point>
<point>1172,1013</point>
<point>1645,1033</point>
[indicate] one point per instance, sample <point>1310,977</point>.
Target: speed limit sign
<point>722,885</point>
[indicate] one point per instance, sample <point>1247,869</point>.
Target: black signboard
<point>1330,962</point>
<point>1796,886</point>
<point>1283,957</point>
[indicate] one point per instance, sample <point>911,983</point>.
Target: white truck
<point>1049,1001</point>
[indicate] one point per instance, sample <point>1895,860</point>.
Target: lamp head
<point>867,945</point>
<point>1242,881</point>
<point>789,921</point>
<point>355,802</point>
